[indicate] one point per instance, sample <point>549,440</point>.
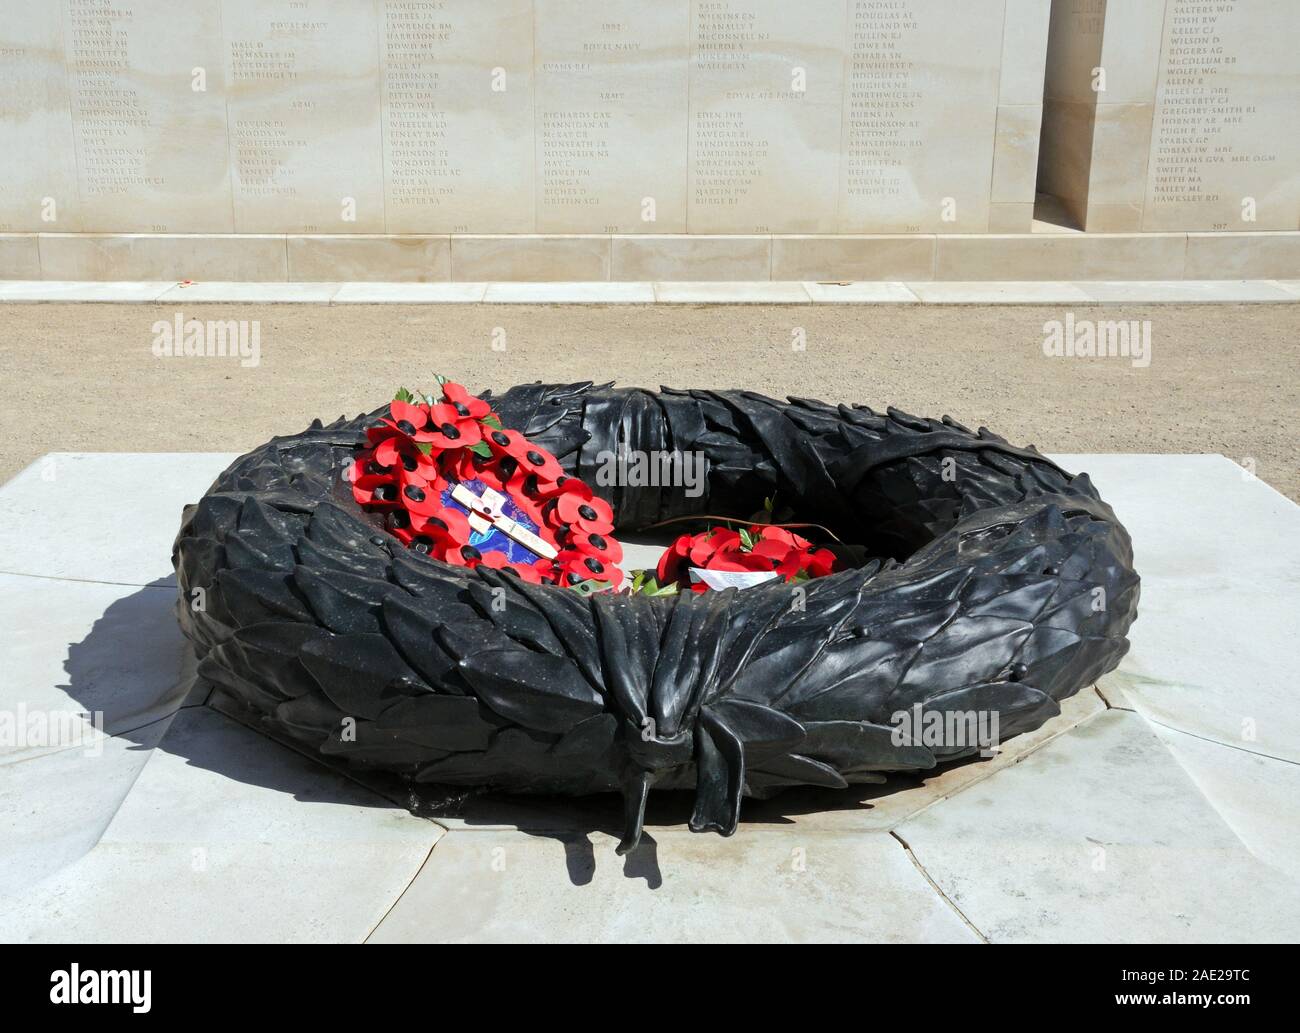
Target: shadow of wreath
<point>120,668</point>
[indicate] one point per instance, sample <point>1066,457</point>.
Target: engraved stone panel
<point>149,115</point>
<point>920,112</point>
<point>1174,114</point>
<point>539,128</point>
<point>611,116</point>
<point>38,181</point>
<point>1224,140</point>
<point>456,79</point>
<point>766,100</point>
<point>304,115</point>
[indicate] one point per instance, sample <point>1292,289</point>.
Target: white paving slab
<point>82,290</point>
<point>1184,292</point>
<point>603,293</point>
<point>640,555</point>
<point>252,293</point>
<point>677,887</point>
<point>1100,837</point>
<point>1216,646</point>
<point>995,292</point>
<point>54,808</point>
<point>725,293</point>
<point>1258,797</point>
<point>862,293</point>
<point>78,656</point>
<point>228,837</point>
<point>1290,286</point>
<point>117,513</point>
<point>225,834</point>
<point>408,293</point>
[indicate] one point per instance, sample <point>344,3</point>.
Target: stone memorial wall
<point>1166,115</point>
<point>627,139</point>
<point>520,116</point>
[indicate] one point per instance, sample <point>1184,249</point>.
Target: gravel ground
<point>1222,378</point>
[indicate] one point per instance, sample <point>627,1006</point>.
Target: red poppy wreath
<point>757,553</point>
<point>458,486</point>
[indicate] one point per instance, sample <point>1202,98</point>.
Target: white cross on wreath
<point>487,511</point>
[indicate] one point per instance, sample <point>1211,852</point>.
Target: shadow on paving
<point>309,776</point>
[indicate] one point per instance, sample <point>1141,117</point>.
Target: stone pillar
<point>1166,115</point>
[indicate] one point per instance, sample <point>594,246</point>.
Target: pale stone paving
<point>1101,825</point>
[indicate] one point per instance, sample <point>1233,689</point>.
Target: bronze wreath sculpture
<point>1000,583</point>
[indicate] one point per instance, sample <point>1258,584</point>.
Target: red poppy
<point>774,552</point>
<point>388,443</point>
<point>465,404</point>
<point>818,562</point>
<point>424,544</point>
<point>561,484</point>
<point>376,489</point>
<point>417,450</point>
<point>710,542</point>
<point>451,430</point>
<point>422,500</point>
<point>505,442</point>
<point>408,464</point>
<point>398,523</point>
<point>409,420</point>
<point>761,549</point>
<point>734,558</point>
<point>364,465</point>
<point>524,488</point>
<point>536,460</point>
<point>460,464</point>
<point>603,547</point>
<point>672,564</point>
<point>458,555</point>
<point>772,533</point>
<point>526,571</point>
<point>509,473</point>
<point>446,521</point>
<point>489,473</point>
<point>590,514</point>
<point>576,566</point>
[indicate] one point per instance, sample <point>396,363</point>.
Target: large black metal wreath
<point>1003,584</point>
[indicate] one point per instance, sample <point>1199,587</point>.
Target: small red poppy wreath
<point>455,484</point>
<point>762,548</point>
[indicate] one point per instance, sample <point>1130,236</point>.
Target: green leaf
<point>645,583</point>
<point>481,449</point>
<point>769,503</point>
<point>747,541</point>
<point>591,587</point>
<point>440,379</point>
<point>491,421</point>
<point>425,446</point>
<point>428,399</point>
<point>403,395</point>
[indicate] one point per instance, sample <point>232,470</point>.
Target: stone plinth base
<point>1145,812</point>
<point>627,258</point>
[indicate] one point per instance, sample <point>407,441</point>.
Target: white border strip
<point>1047,292</point>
